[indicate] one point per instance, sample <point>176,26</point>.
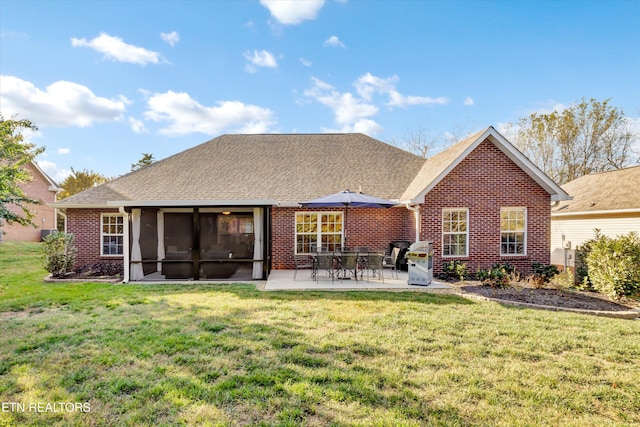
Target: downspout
<point>416,216</point>
<point>125,244</point>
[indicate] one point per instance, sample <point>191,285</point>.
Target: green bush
<point>59,253</point>
<point>614,264</point>
<point>457,269</point>
<point>582,270</point>
<point>541,274</point>
<point>498,276</point>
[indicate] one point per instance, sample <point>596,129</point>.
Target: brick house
<point>229,208</point>
<point>41,188</point>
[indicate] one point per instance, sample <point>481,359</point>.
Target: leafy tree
<point>146,160</point>
<point>79,181</point>
<point>14,155</point>
<point>588,137</point>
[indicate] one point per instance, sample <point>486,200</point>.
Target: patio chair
<point>349,265</point>
<point>304,262</point>
<point>325,261</point>
<point>375,266</point>
<point>391,260</point>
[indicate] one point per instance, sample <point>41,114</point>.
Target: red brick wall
<point>371,227</point>
<point>37,189</point>
<point>483,182</point>
<point>85,225</point>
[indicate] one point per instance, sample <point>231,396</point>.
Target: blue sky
<point>106,81</point>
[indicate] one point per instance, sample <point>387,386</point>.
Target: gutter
<point>415,208</point>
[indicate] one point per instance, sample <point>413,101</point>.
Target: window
<point>112,235</point>
<point>314,227</point>
<point>513,231</point>
<point>455,232</point>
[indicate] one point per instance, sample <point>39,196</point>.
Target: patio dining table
<point>343,265</point>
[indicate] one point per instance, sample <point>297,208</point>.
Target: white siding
<point>578,230</point>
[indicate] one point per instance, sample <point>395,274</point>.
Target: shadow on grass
<point>146,364</point>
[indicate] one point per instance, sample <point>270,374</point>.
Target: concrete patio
<point>280,280</point>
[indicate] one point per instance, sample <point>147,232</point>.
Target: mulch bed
<point>551,297</point>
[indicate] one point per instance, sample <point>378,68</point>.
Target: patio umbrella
<point>348,199</point>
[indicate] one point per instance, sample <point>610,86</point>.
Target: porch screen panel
<point>178,243</point>
<point>257,246</point>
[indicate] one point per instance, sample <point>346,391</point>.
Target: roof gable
<point>437,167</point>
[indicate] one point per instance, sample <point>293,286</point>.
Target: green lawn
<point>230,355</point>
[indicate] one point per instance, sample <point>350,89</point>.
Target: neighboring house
<point>230,207</point>
<point>608,201</point>
<point>41,188</point>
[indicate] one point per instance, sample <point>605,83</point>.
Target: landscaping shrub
<point>541,274</point>
<point>59,253</point>
<point>101,269</point>
<point>582,270</point>
<point>455,269</point>
<point>498,276</point>
<point>614,264</point>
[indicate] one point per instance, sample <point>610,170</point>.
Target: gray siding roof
<point>284,168</point>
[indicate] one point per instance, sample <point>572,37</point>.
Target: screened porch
<point>197,243</point>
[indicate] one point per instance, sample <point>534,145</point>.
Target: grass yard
<point>227,355</point>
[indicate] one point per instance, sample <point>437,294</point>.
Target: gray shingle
<point>286,168</point>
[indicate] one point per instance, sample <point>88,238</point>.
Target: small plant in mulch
<point>541,275</point>
<point>500,275</point>
<point>100,269</point>
<point>454,270</point>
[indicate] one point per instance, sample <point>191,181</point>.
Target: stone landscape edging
<point>50,279</point>
<point>633,313</point>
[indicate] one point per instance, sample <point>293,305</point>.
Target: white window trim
<point>102,235</point>
<point>319,232</point>
<point>526,226</point>
<point>466,246</point>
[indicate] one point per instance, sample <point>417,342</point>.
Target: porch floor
<point>283,280</point>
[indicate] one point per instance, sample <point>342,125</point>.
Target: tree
<point>14,155</point>
<point>146,160</point>
<point>588,137</point>
<point>79,181</point>
<point>423,141</point>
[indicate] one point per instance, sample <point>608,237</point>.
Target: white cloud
<point>293,12</point>
<point>353,113</point>
<point>185,115</point>
<point>305,62</point>
<point>137,125</point>
<point>61,104</point>
<point>260,58</point>
<point>63,151</point>
<point>469,101</point>
<point>334,41</point>
<point>172,38</point>
<point>51,169</point>
<point>368,85</point>
<point>348,110</point>
<point>114,48</point>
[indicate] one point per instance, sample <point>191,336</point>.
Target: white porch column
<point>137,271</point>
<point>125,244</point>
<point>257,246</point>
<point>160,227</point>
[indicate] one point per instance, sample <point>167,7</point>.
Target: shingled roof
<point>263,169</point>
<point>607,191</point>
